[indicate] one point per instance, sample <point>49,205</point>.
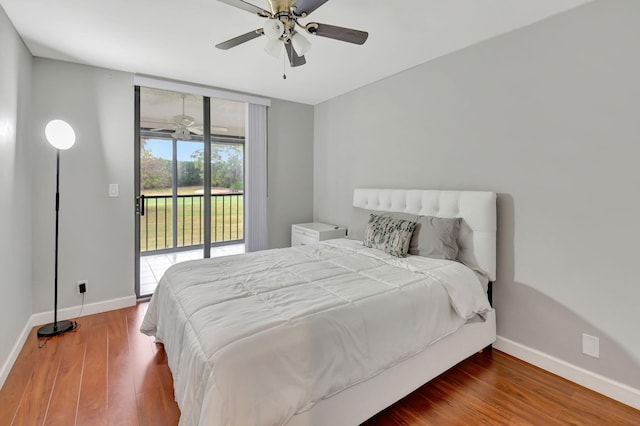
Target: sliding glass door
<point>189,181</point>
<point>227,171</point>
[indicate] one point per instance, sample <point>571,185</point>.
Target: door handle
<point>140,205</point>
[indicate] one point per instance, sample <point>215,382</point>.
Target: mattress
<point>257,338</point>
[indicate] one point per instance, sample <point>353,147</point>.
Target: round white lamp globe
<point>60,134</point>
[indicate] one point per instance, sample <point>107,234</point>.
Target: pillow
<point>436,237</point>
<point>389,234</point>
<point>359,220</point>
<point>357,225</point>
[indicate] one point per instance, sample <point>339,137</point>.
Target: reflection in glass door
<point>189,194</point>
<point>227,173</point>
<point>177,158</point>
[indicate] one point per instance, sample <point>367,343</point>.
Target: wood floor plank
<point>555,393</point>
<point>108,373</point>
<point>604,410</point>
<point>16,383</point>
<point>92,403</point>
<point>35,402</point>
<point>509,394</point>
<point>64,399</point>
<point>155,407</point>
<point>146,377</point>
<point>475,397</point>
<point>122,408</point>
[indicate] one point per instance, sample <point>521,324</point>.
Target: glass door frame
<point>139,201</point>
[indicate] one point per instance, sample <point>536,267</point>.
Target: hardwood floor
<point>108,373</point>
<point>104,373</point>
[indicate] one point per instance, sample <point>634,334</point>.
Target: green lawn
<point>227,219</point>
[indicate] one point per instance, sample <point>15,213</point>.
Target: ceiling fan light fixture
<point>182,134</point>
<point>300,44</point>
<point>273,29</point>
<point>274,48</point>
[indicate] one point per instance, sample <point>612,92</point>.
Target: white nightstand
<point>310,233</point>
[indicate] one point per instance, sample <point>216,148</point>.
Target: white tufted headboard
<point>477,239</point>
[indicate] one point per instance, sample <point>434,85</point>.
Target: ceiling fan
<point>183,125</point>
<point>280,28</point>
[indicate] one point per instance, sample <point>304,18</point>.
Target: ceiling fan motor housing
<point>279,6</point>
<point>288,22</point>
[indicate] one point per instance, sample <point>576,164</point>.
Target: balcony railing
<point>160,230</point>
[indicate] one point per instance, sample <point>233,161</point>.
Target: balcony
<point>165,228</point>
<point>175,233</point>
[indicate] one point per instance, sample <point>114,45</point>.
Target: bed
<point>330,333</point>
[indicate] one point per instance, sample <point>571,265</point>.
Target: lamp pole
<point>61,136</point>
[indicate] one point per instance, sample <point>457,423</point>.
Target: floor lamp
<point>61,136</point>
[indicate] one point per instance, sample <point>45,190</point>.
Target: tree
<point>189,174</point>
<point>227,165</point>
<point>154,172</point>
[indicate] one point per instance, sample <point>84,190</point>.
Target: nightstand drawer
<point>300,238</point>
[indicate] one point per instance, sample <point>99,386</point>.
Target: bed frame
<point>477,243</point>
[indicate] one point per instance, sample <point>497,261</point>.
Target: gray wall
<point>547,116</point>
<point>15,185</point>
<point>290,168</point>
<point>96,232</point>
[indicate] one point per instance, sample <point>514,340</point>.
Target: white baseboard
<point>90,309</point>
<point>63,314</point>
<point>611,388</point>
<point>15,351</point>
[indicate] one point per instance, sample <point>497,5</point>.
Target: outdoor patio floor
<point>152,267</point>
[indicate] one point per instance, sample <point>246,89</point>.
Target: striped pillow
<point>388,234</point>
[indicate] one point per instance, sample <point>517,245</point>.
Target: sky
<point>162,148</point>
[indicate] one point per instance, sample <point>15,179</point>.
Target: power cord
<point>81,306</point>
<point>42,341</point>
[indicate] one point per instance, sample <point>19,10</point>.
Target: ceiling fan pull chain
<point>284,68</point>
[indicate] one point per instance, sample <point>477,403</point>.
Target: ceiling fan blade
<point>162,129</point>
<point>305,7</point>
<point>196,130</point>
<point>240,4</point>
<point>240,39</point>
<point>337,33</point>
<point>294,59</point>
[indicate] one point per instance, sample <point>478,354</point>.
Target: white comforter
<point>254,339</point>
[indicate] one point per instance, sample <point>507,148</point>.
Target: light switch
<point>114,190</point>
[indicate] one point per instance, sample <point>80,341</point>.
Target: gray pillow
<point>389,234</point>
<point>436,237</point>
<point>357,225</point>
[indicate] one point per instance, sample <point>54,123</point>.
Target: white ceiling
<point>175,39</point>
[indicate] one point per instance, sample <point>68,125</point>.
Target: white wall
<point>15,184</point>
<point>290,167</point>
<point>547,116</point>
<point>96,232</point>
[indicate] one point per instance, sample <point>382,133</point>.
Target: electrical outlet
<point>82,286</point>
<point>590,345</point>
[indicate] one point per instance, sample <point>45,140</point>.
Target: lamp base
<point>53,329</point>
